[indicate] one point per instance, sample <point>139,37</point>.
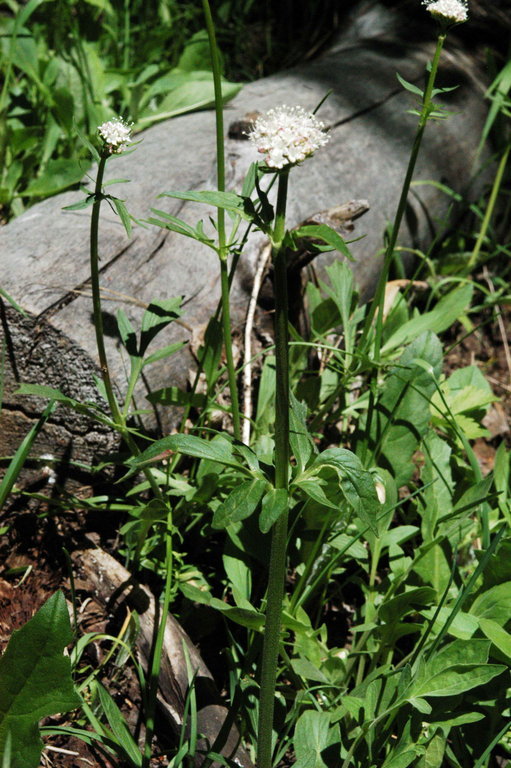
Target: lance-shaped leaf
<point>35,681</point>
<point>354,483</point>
<point>240,503</point>
<point>219,450</point>
<point>229,201</point>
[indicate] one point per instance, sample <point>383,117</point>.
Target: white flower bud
<point>116,135</point>
<point>454,11</point>
<point>287,135</point>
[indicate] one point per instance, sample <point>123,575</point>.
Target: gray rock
<point>44,253</point>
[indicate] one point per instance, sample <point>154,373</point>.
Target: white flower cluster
<point>116,134</point>
<point>287,135</point>
<point>454,11</point>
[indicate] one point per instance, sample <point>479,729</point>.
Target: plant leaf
<point>219,450</point>
<point>240,503</point>
<point>311,738</point>
<point>35,680</point>
<point>274,504</point>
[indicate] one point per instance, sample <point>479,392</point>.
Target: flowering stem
<point>489,208</point>
<point>223,250</point>
<point>96,296</point>
<point>118,417</point>
<point>377,303</point>
<point>277,564</point>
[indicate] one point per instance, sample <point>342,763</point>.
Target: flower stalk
<point>117,415</point>
<point>377,303</point>
<point>223,250</point>
<point>277,564</point>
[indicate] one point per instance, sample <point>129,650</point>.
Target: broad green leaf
<point>196,54</point>
<point>341,292</point>
<point>459,653</point>
<point>273,505</point>
<point>311,738</point>
<point>265,413</point>
<point>406,603</point>
<point>219,450</point>
<point>463,626</point>
<point>457,679</point>
<point>58,174</point>
<point>499,637</point>
<point>458,667</point>
<point>494,604</point>
<point>300,440</point>
<point>433,567</point>
<point>466,389</point>
<point>452,719</point>
<point>498,568</point>
<point>306,669</point>
<point>436,475</point>
<point>328,235</point>
<point>239,575</point>
<point>448,309</point>
<point>209,354</point>
<point>245,617</point>
<point>402,760</point>
<point>434,754</point>
<point>240,503</point>
<point>35,680</point>
<point>191,91</point>
<point>402,413</point>
<point>355,483</point>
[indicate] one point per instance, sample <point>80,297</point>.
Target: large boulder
<point>44,252</point>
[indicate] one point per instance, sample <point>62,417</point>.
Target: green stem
<point>223,250</point>
<point>377,303</point>
<point>277,565</point>
<point>490,208</point>
<point>96,297</point>
<point>118,417</point>
<point>152,687</point>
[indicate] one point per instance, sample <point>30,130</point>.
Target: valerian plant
<point>360,490</point>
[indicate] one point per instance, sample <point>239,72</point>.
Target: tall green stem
<point>154,671</point>
<point>96,296</point>
<point>277,565</point>
<point>489,208</point>
<point>377,303</point>
<point>223,250</point>
<point>118,417</point>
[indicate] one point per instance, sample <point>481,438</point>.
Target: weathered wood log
<point>114,586</point>
<point>44,253</point>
